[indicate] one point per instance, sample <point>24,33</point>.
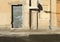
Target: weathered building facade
<point>27,15</point>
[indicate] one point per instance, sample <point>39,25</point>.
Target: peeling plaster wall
<point>58,13</point>
<point>5,12</point>
<point>43,18</point>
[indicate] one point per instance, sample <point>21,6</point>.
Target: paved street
<point>32,38</point>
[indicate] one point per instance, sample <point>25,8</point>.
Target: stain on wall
<point>58,12</point>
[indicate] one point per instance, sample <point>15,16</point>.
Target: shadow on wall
<point>40,8</point>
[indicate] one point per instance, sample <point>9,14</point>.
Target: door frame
<point>12,15</point>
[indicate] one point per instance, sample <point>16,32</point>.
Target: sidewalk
<point>14,32</point>
<point>28,32</point>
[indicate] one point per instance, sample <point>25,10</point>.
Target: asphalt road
<point>32,38</point>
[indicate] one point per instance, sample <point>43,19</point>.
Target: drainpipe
<point>37,15</point>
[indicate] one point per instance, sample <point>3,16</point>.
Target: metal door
<point>17,16</point>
